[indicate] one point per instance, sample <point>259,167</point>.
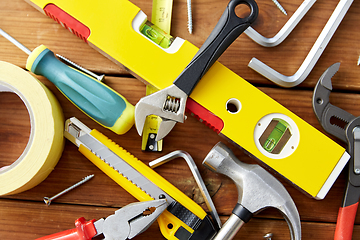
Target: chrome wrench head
<point>324,110</point>
<point>169,104</point>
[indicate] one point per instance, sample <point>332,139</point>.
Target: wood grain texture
<point>25,216</point>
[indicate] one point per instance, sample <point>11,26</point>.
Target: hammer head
<point>257,189</point>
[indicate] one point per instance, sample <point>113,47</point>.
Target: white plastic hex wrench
<point>312,57</point>
<point>284,31</point>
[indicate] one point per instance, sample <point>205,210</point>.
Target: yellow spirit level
<point>308,159</point>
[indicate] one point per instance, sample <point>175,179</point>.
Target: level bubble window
<point>276,136</point>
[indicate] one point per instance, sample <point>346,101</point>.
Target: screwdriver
<point>94,98</point>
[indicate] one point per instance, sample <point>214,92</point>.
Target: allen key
<point>186,156</point>
<point>284,31</point>
<point>312,57</point>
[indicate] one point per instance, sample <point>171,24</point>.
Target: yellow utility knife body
<point>183,219</point>
<point>275,136</point>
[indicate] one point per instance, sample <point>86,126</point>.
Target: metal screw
<point>190,24</point>
<point>268,236</point>
<point>48,200</point>
<point>358,63</point>
<point>280,7</point>
<point>97,77</point>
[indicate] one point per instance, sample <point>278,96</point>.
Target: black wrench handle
<point>229,27</point>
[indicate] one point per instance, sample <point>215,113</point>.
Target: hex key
<point>284,31</point>
<point>312,57</point>
<point>194,170</point>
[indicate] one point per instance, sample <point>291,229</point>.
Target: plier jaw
<point>133,219</point>
<point>125,223</point>
<point>333,119</point>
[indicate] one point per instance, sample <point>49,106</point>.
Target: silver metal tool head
<point>169,104</point>
<point>324,110</point>
<point>257,188</point>
<point>132,220</point>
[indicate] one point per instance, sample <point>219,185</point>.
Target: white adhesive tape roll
<point>46,141</point>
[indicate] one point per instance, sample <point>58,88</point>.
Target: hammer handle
<point>230,228</point>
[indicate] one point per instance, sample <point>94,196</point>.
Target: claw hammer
<point>257,190</point>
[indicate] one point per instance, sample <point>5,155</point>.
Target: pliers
<point>126,223</point>
<point>346,127</point>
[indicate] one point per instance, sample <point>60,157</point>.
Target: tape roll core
<point>46,141</point>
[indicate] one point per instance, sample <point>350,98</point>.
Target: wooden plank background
<point>25,216</point>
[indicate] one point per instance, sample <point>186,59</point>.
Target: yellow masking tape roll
<point>46,141</point>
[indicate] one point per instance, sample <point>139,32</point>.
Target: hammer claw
<point>257,189</point>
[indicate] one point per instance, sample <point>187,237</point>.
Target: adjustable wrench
<point>169,103</point>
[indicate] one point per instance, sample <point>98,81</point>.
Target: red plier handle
<point>347,213</point>
<point>345,222</point>
<point>83,231</point>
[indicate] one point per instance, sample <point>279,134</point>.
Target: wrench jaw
<point>322,91</point>
<point>333,119</point>
<point>169,104</point>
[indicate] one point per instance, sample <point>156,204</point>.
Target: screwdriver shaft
<point>15,42</point>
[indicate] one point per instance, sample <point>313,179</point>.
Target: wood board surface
<point>25,216</point>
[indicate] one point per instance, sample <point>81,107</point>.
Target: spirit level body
<point>310,160</point>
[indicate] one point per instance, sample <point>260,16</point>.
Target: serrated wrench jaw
<point>324,110</point>
<point>322,91</point>
<point>169,104</point>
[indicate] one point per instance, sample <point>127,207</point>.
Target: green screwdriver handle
<point>95,99</point>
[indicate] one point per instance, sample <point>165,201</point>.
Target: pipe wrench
<point>346,127</point>
<point>125,223</point>
<point>170,103</point>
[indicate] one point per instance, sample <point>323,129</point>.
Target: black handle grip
<point>229,27</point>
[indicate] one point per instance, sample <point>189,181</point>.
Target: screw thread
<point>279,7</point>
<point>85,179</point>
<point>190,24</point>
